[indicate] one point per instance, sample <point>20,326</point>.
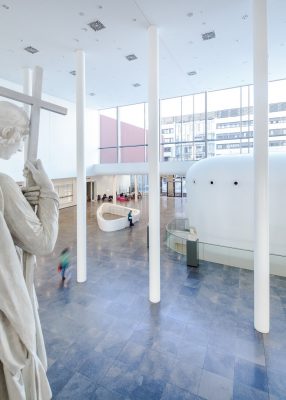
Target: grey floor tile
<point>215,387</point>
<point>219,362</point>
<point>245,392</point>
<point>78,387</point>
<point>251,374</point>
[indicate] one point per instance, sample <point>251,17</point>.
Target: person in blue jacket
<point>130,218</point>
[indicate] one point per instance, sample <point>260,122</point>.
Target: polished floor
<point>105,340</point>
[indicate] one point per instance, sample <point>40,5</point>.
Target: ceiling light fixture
<point>73,72</point>
<point>190,14</point>
<point>96,25</point>
<point>131,57</point>
<point>31,50</point>
<point>136,84</point>
<point>191,73</point>
<point>208,35</point>
<point>245,16</point>
<point>92,94</point>
<point>5,6</point>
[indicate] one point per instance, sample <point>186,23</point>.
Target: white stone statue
<point>23,235</point>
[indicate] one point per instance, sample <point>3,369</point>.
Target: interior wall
<point>57,141</point>
<point>221,201</point>
<point>104,184</point>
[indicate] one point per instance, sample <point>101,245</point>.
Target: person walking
<point>130,218</point>
<point>64,262</point>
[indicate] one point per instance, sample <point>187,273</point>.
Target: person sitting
<point>104,197</point>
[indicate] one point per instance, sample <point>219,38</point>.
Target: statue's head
<point>14,128</point>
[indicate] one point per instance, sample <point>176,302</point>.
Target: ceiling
<point>58,27</point>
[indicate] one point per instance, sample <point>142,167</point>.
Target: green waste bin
<point>193,253</point>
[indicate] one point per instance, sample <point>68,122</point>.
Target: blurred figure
<point>64,262</point>
<point>130,218</point>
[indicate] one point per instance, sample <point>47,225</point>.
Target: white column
<point>153,165</point>
<point>135,188</point>
<point>261,195</point>
<point>81,173</point>
<point>114,185</point>
<point>27,89</point>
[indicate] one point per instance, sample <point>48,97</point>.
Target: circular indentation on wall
<point>211,182</point>
<point>235,183</point>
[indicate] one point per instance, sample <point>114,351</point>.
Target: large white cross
<point>36,104</point>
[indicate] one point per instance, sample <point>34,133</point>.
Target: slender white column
<point>81,173</point>
<point>114,185</point>
<point>135,188</point>
<point>261,195</point>
<point>27,89</point>
<point>153,165</point>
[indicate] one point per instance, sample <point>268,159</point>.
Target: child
<point>64,262</point>
<point>130,218</point>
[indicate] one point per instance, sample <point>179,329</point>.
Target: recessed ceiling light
<point>208,35</point>
<point>131,57</point>
<point>136,84</point>
<point>92,94</point>
<point>245,16</point>
<point>73,72</point>
<point>134,19</point>
<point>81,14</point>
<point>190,14</point>
<point>31,50</point>
<point>5,6</point>
<point>100,7</point>
<point>96,25</point>
<point>191,73</point>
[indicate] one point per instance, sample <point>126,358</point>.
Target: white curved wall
<point>222,212</point>
<point>111,225</point>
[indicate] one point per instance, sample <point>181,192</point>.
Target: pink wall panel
<point>108,131</point>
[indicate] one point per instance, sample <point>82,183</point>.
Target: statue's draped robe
<point>23,234</point>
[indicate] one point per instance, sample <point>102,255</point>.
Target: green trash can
<point>193,253</point>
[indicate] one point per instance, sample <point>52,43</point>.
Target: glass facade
<point>194,127</point>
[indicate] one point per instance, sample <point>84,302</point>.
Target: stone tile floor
<point>105,340</point>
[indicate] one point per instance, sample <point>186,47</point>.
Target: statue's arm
<point>36,234</point>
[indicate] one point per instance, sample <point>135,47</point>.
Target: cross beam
<point>36,104</point>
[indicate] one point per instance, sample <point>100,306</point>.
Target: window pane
<point>199,116</point>
<point>132,133</point>
<point>171,128</point>
<point>108,156</point>
<point>224,122</point>
<point>133,154</point>
<point>108,128</point>
<point>277,116</point>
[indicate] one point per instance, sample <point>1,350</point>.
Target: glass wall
<point>194,127</point>
<point>108,136</point>
<point>132,133</point>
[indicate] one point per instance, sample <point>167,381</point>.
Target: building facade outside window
<point>193,127</point>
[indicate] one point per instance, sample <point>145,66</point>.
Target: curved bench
<point>110,225</point>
